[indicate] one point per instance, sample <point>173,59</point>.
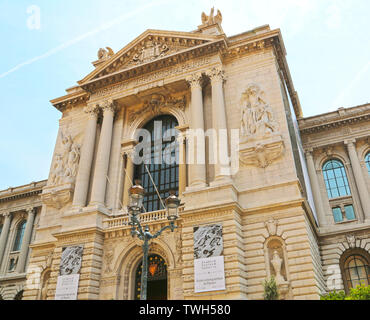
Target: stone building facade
<point>270,190</point>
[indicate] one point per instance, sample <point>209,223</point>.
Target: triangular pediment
<point>150,46</point>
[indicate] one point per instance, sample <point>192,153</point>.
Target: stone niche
<point>275,258</point>
<point>261,142</point>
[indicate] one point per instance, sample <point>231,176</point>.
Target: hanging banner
<point>209,273</point>
<point>69,269</point>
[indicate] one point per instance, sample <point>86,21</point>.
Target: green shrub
<point>270,289</point>
<point>361,292</point>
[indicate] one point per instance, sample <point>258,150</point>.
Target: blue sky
<point>327,43</point>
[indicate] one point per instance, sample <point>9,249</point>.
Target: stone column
<point>360,181</point>
<point>197,168</point>
<point>128,150</point>
<point>103,155</point>
<point>4,235</point>
<point>87,154</point>
<point>315,189</point>
<point>182,159</point>
<point>222,166</point>
<point>26,240</point>
<point>119,192</point>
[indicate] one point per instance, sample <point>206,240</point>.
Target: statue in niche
<point>44,290</point>
<point>65,165</point>
<point>276,262</point>
<point>257,119</point>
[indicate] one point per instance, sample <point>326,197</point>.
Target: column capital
<point>108,105</point>
<point>309,152</point>
<point>195,80</point>
<point>31,210</point>
<point>6,214</point>
<point>92,109</point>
<point>216,74</point>
<point>350,142</point>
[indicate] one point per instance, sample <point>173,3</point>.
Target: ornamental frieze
<point>154,76</point>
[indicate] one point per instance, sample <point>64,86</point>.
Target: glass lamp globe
<point>172,205</point>
<point>136,196</point>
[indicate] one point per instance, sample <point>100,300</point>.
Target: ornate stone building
<point>287,196</point>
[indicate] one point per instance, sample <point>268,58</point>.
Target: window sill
<point>346,221</point>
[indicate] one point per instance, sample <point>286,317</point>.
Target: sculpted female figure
<point>257,117</point>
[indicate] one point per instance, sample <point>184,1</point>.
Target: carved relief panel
<point>261,142</point>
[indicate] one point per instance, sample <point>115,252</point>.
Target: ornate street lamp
<point>136,194</point>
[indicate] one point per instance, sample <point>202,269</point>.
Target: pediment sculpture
<point>150,51</point>
<point>211,19</point>
<point>261,142</point>
<point>105,53</point>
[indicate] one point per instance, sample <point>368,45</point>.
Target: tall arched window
<point>19,236</point>
<point>337,186</point>
<point>367,161</point>
<point>355,269</point>
<point>335,177</point>
<point>164,173</point>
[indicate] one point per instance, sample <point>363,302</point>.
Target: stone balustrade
<point>147,217</point>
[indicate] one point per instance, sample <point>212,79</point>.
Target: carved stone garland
<point>261,142</point>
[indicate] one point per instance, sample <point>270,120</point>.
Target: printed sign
<point>67,287</point>
<point>70,265</point>
<point>209,274</point>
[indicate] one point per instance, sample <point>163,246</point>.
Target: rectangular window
<point>337,213</point>
<point>350,213</point>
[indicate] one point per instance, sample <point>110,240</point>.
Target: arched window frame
<point>338,190</point>
<point>344,261</point>
<point>19,234</point>
<point>151,201</point>
<point>367,162</point>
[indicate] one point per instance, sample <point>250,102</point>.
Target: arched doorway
<point>157,279</point>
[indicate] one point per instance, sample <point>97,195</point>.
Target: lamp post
<point>136,194</point>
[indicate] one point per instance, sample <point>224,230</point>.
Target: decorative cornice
<point>336,119</point>
<point>70,100</point>
<point>32,189</point>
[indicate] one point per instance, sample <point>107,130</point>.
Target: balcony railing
<point>147,217</point>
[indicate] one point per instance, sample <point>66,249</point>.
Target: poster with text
<point>209,274</point>
<point>69,269</point>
